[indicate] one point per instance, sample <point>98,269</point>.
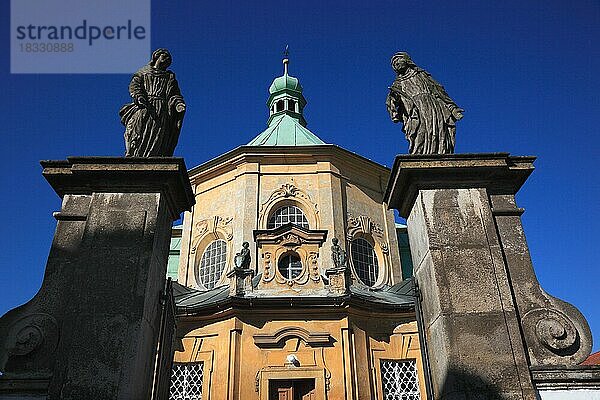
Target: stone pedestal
<point>339,280</point>
<point>91,331</point>
<point>486,319</point>
<point>240,281</point>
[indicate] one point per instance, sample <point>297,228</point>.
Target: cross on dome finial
<point>286,59</point>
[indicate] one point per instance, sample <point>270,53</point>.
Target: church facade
<point>296,324</point>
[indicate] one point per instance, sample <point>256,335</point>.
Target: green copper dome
<point>286,125</point>
<point>285,82</point>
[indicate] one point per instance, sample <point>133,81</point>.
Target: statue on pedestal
<point>153,120</point>
<point>427,113</point>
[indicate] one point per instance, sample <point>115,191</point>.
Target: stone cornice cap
<point>87,175</point>
<point>498,173</point>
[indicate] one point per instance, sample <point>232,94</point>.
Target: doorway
<point>297,389</point>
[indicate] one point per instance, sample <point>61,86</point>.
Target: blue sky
<point>526,72</point>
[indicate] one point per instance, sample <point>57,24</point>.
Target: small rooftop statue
<point>242,259</point>
<point>153,121</point>
<point>338,254</point>
<point>428,114</point>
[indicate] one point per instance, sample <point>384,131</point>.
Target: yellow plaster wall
<point>337,186</point>
<point>234,365</point>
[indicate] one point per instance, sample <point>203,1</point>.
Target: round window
<point>365,261</point>
<point>286,215</point>
<point>212,263</point>
<point>290,266</point>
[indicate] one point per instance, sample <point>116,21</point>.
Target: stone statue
<point>338,254</point>
<point>428,114</point>
<point>153,121</point>
<point>242,259</point>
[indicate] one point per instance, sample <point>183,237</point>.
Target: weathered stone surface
<point>485,315</point>
<point>555,331</point>
<point>470,323</point>
<point>496,172</point>
<point>91,330</point>
<point>580,377</point>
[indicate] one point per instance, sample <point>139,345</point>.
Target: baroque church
<point>290,279</point>
<point>295,325</point>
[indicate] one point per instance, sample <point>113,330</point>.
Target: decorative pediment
<point>278,338</point>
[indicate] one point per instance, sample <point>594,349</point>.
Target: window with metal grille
<point>212,263</point>
<point>400,380</point>
<point>364,260</point>
<point>186,381</point>
<point>286,215</point>
<point>290,266</point>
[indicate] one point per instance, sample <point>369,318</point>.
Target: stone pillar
<point>484,313</point>
<point>92,329</point>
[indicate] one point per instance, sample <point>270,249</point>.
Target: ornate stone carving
<point>313,257</point>
<point>287,190</point>
<point>31,340</point>
<point>554,331</point>
<point>217,226</point>
<point>153,120</point>
<point>274,244</point>
<point>364,224</point>
<point>290,240</point>
<point>268,273</point>
<point>310,269</point>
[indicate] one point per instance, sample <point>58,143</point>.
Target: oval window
<point>364,260</point>
<point>212,263</point>
<point>290,266</point>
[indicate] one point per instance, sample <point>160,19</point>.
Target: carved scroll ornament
<point>287,191</point>
<point>364,224</point>
<point>219,227</point>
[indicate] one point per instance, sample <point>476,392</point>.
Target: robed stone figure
<point>427,113</point>
<point>153,120</point>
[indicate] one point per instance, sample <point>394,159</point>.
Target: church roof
<point>399,297</point>
<point>285,130</point>
<point>593,359</point>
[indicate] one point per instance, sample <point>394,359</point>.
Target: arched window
<point>280,105</point>
<point>212,263</point>
<point>290,266</point>
<point>292,105</point>
<point>364,260</point>
<point>286,215</point>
